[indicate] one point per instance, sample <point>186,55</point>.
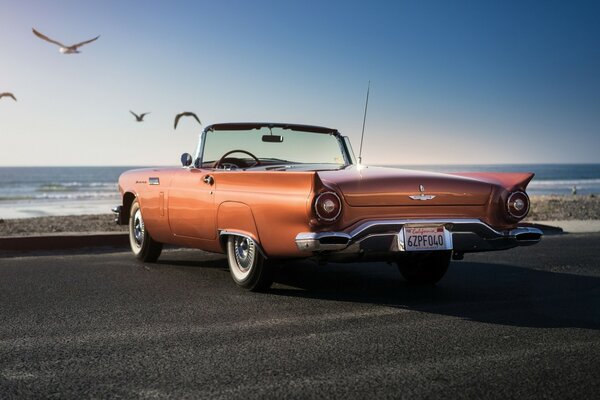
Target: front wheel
<point>247,265</point>
<point>142,245</point>
<point>424,268</point>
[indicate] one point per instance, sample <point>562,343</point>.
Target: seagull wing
<point>46,38</point>
<point>186,114</point>
<point>7,94</point>
<point>86,42</point>
<point>142,115</point>
<point>134,114</point>
<point>177,117</point>
<point>191,114</point>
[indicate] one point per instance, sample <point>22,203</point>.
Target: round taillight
<point>328,206</point>
<point>518,205</point>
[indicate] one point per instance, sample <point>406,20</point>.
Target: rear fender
<point>236,218</point>
<point>506,183</point>
<point>511,181</point>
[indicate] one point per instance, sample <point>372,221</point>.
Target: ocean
<point>27,192</point>
<point>39,191</point>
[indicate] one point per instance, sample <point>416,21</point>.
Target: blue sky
<point>452,82</point>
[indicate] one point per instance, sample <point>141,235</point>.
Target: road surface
<point>519,323</point>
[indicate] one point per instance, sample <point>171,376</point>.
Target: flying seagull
<point>73,49</point>
<point>186,114</point>
<point>139,118</point>
<point>8,94</point>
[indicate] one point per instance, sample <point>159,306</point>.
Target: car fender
<point>236,217</point>
<point>124,211</point>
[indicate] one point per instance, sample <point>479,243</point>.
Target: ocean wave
<point>55,188</point>
<point>74,186</point>
<point>15,198</point>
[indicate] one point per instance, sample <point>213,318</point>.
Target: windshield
<point>271,146</point>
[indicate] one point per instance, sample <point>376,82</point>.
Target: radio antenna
<point>363,128</point>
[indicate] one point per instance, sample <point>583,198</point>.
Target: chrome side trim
<point>225,232</point>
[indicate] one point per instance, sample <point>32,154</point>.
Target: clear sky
<point>455,82</point>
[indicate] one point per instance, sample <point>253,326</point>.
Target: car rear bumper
<point>381,238</point>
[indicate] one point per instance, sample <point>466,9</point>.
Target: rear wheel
<point>247,265</point>
<point>142,245</point>
<point>424,268</point>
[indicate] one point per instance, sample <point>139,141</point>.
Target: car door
<point>191,204</point>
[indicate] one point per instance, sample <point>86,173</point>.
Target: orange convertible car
<point>266,192</point>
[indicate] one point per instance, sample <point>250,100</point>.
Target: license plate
<point>424,238</point>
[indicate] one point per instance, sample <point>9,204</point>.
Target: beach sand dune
<point>543,208</point>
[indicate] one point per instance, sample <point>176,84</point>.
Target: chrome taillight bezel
<point>510,208</point>
<point>316,206</point>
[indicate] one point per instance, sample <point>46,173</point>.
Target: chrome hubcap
<point>138,228</point>
<point>244,251</point>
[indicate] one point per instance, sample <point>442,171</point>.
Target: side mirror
<point>186,159</point>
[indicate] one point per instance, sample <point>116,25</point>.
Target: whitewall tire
<point>142,245</point>
<point>247,265</point>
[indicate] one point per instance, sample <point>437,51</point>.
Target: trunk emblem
<point>422,196</point>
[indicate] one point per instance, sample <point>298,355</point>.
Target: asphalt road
<point>519,323</point>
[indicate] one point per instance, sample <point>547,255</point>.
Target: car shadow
<point>484,292</point>
<point>504,294</point>
<point>215,262</point>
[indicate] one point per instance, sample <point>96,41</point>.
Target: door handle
<point>209,180</point>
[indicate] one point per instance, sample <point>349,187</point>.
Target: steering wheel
<point>222,159</point>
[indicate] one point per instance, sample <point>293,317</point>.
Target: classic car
<point>264,193</point>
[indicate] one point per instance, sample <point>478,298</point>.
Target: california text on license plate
<point>425,238</point>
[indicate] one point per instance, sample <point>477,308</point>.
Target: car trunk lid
<point>376,186</point>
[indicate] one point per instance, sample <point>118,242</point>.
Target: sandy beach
<point>543,208</point>
<point>60,224</point>
<point>563,208</point>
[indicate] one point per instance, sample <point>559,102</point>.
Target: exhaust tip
<point>341,240</point>
<point>528,237</point>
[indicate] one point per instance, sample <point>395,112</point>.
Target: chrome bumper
<point>381,237</point>
<point>119,218</point>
